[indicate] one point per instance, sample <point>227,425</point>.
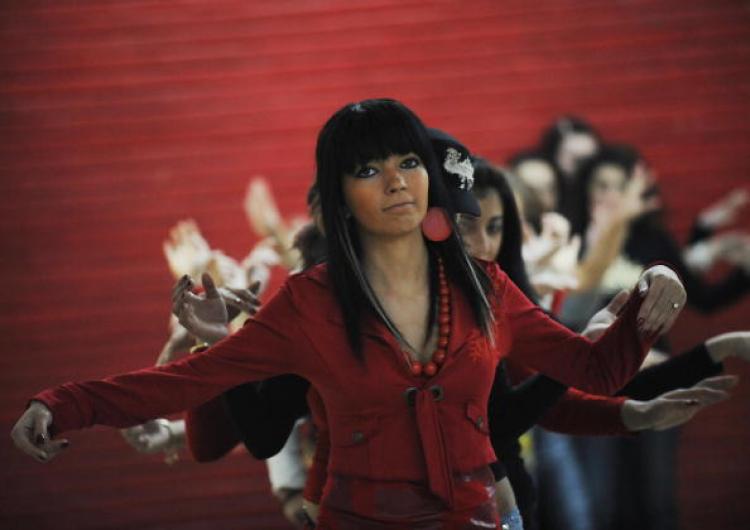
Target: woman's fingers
<point>650,315</point>
<point>30,432</point>
<point>209,286</point>
<point>720,382</point>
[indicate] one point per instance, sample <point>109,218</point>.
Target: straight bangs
<point>375,130</point>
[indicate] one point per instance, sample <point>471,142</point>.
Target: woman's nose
<point>395,180</point>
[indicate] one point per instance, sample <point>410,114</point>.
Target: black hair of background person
<point>650,241</point>
<point>357,133</point>
<point>549,145</point>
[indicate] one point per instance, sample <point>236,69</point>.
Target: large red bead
<point>430,369</point>
<point>416,368</point>
<point>442,342</point>
<point>439,357</point>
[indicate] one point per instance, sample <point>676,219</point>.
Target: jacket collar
<point>462,316</point>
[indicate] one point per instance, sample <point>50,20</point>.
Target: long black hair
<point>488,177</point>
<point>375,129</point>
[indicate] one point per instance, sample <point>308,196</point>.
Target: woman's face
<point>607,186</point>
<point>539,178</point>
<point>388,197</point>
<point>575,147</point>
<point>483,235</point>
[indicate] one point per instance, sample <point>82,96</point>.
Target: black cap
<point>457,170</point>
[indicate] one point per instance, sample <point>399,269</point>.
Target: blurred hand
<point>240,300</point>
<point>725,210</point>
<point>31,434</point>
<point>204,316</point>
<point>633,203</point>
<point>154,436</point>
<point>312,510</point>
<point>186,250</point>
<point>664,298</point>
<point>260,208</point>
<point>676,407</point>
<point>733,344</point>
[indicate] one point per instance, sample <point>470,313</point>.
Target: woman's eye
<point>495,227</point>
<point>365,172</point>
<point>411,162</point>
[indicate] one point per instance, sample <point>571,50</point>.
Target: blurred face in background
<point>538,177</point>
<point>607,186</point>
<point>483,235</point>
<point>574,149</point>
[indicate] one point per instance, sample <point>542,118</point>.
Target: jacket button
<point>438,392</point>
<point>357,437</point>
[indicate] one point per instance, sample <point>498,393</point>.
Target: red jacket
<point>374,432</point>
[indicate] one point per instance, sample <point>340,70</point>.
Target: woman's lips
<point>399,206</point>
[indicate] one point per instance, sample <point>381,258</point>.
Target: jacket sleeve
<point>318,473</point>
<point>535,340</point>
<point>576,412</point>
<point>271,344</point>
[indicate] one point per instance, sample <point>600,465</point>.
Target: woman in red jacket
<point>400,332</point>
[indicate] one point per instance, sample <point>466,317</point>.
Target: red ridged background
<point>120,117</point>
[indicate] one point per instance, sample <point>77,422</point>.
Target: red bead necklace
<point>444,328</point>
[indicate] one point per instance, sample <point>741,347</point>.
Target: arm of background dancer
<point>598,259</point>
<point>210,431</point>
<point>513,410</point>
<point>265,413</point>
<point>679,371</point>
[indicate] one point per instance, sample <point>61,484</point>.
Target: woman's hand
<point>186,250</point>
<point>735,343</point>
<point>676,407</point>
<point>156,435</point>
<point>240,300</point>
<point>311,509</point>
<point>664,297</point>
<point>725,210</point>
<point>204,316</point>
<point>31,435</point>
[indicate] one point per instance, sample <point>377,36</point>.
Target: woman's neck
<point>396,265</point>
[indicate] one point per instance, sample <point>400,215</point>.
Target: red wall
<point>119,117</point>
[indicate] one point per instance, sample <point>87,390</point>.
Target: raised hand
<point>725,210</point>
<point>187,252</point>
<point>240,300</point>
<point>31,434</point>
<point>733,344</point>
<point>261,209</point>
<point>204,316</point>
<point>664,298</point>
<point>676,407</point>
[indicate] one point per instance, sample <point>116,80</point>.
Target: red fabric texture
<point>374,433</point>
